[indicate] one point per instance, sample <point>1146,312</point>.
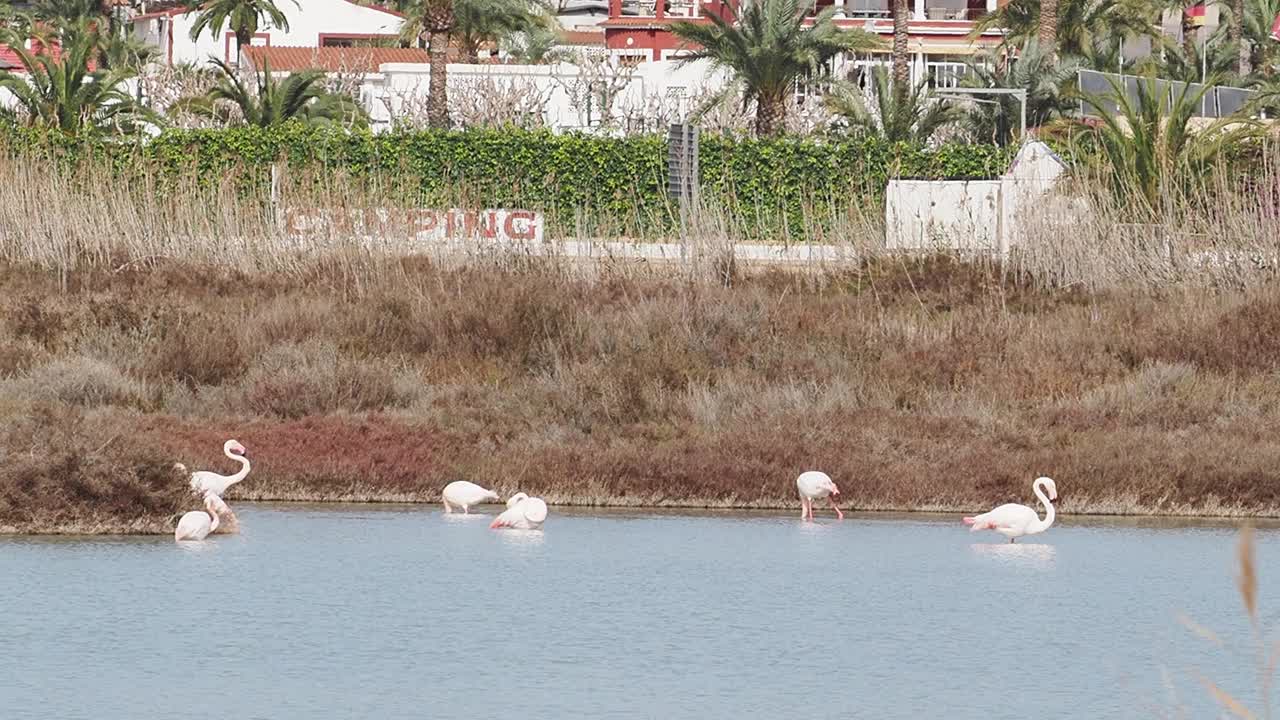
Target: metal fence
<point>1218,101</point>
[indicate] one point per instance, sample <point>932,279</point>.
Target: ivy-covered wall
<point>616,181</point>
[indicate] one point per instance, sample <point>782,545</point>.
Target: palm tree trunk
<point>1048,30</point>
<point>437,91</point>
<point>1188,31</point>
<point>771,113</point>
<point>901,56</point>
<point>1236,33</point>
<point>243,37</point>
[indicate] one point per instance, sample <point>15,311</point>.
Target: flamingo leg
<point>832,500</point>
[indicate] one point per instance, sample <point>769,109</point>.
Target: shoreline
<point>139,527</point>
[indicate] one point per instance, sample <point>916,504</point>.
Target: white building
<point>312,23</point>
<point>562,96</point>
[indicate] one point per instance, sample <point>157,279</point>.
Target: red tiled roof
<point>282,58</point>
<point>8,58</point>
<point>582,37</point>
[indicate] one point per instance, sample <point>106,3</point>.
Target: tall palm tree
<point>1079,26</point>
<point>1216,57</point>
<point>301,96</point>
<point>1048,30</point>
<point>1148,143</point>
<point>1236,33</point>
<point>434,22</point>
<point>62,93</point>
<point>916,120</point>
<point>481,21</point>
<point>901,55</point>
<point>1047,80</point>
<point>244,17</point>
<point>1265,52</point>
<point>768,47</point>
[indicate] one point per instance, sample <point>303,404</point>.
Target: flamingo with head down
<point>1013,520</point>
<point>197,525</point>
<point>522,513</point>
<point>464,494</point>
<point>815,485</point>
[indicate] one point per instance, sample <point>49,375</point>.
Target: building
<point>315,23</point>
<point>939,29</point>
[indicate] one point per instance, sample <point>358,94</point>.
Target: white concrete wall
<point>398,86</point>
<point>942,214</point>
<point>1031,176</point>
<point>306,25</point>
<point>981,215</point>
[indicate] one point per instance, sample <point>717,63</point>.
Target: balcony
<point>962,10</point>
<point>666,9</point>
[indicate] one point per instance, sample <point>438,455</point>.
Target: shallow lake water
<point>383,613</point>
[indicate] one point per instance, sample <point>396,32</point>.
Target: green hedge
<point>618,181</point>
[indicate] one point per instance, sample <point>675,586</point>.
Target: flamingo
<point>465,494</point>
<point>1013,520</point>
<point>229,524</point>
<point>526,513</point>
<point>814,485</point>
<point>204,482</point>
<point>197,525</point>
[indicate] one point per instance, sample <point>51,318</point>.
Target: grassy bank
<point>921,384</point>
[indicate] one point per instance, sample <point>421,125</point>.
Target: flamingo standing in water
<point>204,482</point>
<point>464,494</point>
<point>229,524</point>
<point>1013,520</point>
<point>814,485</point>
<point>197,525</point>
<point>522,513</point>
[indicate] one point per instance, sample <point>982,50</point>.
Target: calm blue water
<point>371,613</point>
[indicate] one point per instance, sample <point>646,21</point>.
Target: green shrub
<point>576,179</point>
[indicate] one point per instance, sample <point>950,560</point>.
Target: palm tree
<point>244,17</point>
<point>901,56</point>
<point>1236,33</point>
<point>62,93</point>
<point>1264,53</point>
<point>1193,63</point>
<point>481,21</point>
<point>1048,30</point>
<point>768,47</point>
<point>1047,81</point>
<point>433,21</point>
<point>301,96</point>
<point>915,120</point>
<point>1080,27</point>
<point>1149,144</point>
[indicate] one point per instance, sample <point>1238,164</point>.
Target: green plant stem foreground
<point>924,384</point>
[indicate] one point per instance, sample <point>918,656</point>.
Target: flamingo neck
<point>213,513</point>
<point>244,467</point>
<point>1049,515</point>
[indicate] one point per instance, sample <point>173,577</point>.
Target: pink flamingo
<point>814,485</point>
<point>1013,520</point>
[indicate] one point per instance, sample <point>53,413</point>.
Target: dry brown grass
<point>925,384</point>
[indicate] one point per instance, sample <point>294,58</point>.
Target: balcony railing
<point>920,9</point>
<point>673,9</point>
